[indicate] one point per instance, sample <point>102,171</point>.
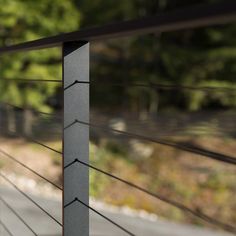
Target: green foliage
<point>200,57</point>
<point>98,182</point>
<point>116,149</point>
<point>29,20</point>
<point>194,57</point>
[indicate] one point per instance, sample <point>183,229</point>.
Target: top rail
<point>191,17</point>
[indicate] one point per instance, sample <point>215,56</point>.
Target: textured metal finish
<point>190,17</point>
<point>76,138</point>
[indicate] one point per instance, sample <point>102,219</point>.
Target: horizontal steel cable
<point>184,147</point>
<point>33,110</point>
<point>21,108</point>
<point>55,133</point>
<point>157,86</point>
<point>41,144</point>
<point>178,205</point>
<point>17,215</point>
<point>30,199</point>
<point>153,85</point>
<point>32,80</point>
<point>99,213</point>
<point>5,227</point>
<point>28,168</point>
<point>34,141</point>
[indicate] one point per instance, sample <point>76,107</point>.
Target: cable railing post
<point>76,138</point>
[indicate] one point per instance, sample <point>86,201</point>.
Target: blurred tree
<point>195,57</point>
<point>28,20</point>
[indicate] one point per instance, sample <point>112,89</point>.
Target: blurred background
<point>176,86</point>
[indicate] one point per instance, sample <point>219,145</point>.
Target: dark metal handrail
<point>191,17</point>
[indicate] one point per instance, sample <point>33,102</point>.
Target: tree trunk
<point>3,122</point>
<point>11,120</point>
<point>153,105</point>
<point>28,122</point>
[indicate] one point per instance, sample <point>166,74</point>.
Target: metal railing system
<point>76,83</point>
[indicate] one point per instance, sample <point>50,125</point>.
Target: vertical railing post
<point>76,138</point>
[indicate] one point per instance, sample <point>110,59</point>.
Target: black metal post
<point>76,137</point>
